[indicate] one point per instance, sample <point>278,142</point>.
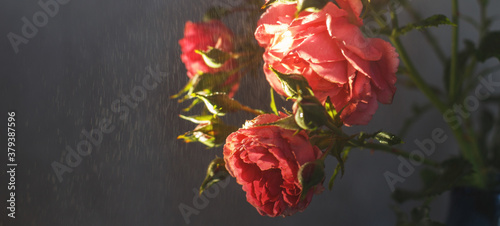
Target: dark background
<point>92,52</point>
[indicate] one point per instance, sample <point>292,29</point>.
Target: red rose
<point>330,51</point>
<point>265,161</point>
<point>201,36</point>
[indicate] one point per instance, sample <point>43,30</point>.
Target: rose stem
<point>248,109</point>
<point>392,150</point>
<point>427,35</point>
<point>381,147</point>
<point>454,51</point>
<point>469,149</point>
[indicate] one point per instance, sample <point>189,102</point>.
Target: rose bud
<point>309,113</point>
<point>265,160</point>
<point>216,172</point>
<point>210,133</point>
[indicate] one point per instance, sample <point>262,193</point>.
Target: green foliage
<point>220,104</point>
<point>285,123</point>
<point>277,1</point>
<point>332,112</point>
<point>294,85</point>
<point>454,172</point>
<point>463,58</point>
<point>207,83</point>
<point>432,21</point>
<point>419,217</point>
<point>310,6</point>
<point>339,167</point>
<point>212,133</point>
<point>273,103</point>
<point>214,58</point>
<point>216,172</point>
<point>489,46</point>
<point>198,118</point>
<point>203,84</point>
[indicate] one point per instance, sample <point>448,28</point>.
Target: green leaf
<point>184,90</point>
<point>194,103</point>
<point>429,177</point>
<point>285,123</point>
<point>270,2</point>
<point>310,6</point>
<point>216,172</point>
<point>214,58</point>
<point>273,103</point>
<point>220,104</point>
<point>432,21</point>
<point>489,46</point>
<point>219,131</point>
<point>294,85</point>
<point>205,83</point>
<point>339,168</point>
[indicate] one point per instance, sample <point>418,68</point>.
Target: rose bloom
<point>265,161</point>
<point>201,36</point>
<point>330,51</point>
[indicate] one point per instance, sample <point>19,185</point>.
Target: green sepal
<point>339,167</point>
<point>220,104</point>
<point>311,174</point>
<point>216,172</point>
<point>309,113</point>
<point>198,118</point>
<point>310,6</point>
<point>214,58</point>
<point>273,103</point>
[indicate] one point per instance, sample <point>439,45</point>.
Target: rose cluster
<point>328,50</point>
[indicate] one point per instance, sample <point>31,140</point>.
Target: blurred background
<point>65,79</point>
